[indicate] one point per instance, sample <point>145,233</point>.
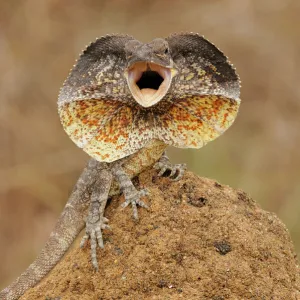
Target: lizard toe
<point>133,197</point>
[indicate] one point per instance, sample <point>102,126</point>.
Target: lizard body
<point>123,103</point>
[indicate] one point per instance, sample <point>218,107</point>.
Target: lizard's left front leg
<point>131,194</point>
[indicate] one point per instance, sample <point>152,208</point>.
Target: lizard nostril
<point>150,80</point>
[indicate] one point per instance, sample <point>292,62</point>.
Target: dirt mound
<point>200,240</point>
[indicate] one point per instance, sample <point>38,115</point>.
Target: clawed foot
<point>94,233</point>
<point>133,197</point>
<point>131,194</point>
<point>174,172</point>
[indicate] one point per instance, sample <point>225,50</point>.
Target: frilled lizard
<point>123,103</point>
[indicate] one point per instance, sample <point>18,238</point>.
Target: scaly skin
<point>123,103</point>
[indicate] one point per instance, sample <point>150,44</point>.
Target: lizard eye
<point>160,46</point>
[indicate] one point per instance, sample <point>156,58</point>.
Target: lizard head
<point>149,70</point>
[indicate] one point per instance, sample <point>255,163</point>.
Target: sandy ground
<point>199,240</point>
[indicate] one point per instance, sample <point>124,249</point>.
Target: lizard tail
<point>59,242</point>
<point>68,226</point>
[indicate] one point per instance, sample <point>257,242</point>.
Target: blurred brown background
<point>39,42</point>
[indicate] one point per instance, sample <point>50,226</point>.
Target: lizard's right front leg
<point>68,226</point>
<point>95,220</point>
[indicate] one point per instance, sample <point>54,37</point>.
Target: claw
<point>175,171</point>
<point>162,168</point>
<point>133,197</point>
<point>83,240</point>
<point>180,169</point>
<point>94,233</point>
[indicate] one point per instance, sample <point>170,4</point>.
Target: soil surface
<point>199,240</point>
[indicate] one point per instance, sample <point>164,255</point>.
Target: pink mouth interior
<point>148,82</point>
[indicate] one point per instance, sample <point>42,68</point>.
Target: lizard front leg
<point>95,220</point>
<point>131,194</point>
<point>68,226</point>
<point>165,167</point>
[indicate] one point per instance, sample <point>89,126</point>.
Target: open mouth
<point>148,82</point>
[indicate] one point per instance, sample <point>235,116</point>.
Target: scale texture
<point>99,112</point>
